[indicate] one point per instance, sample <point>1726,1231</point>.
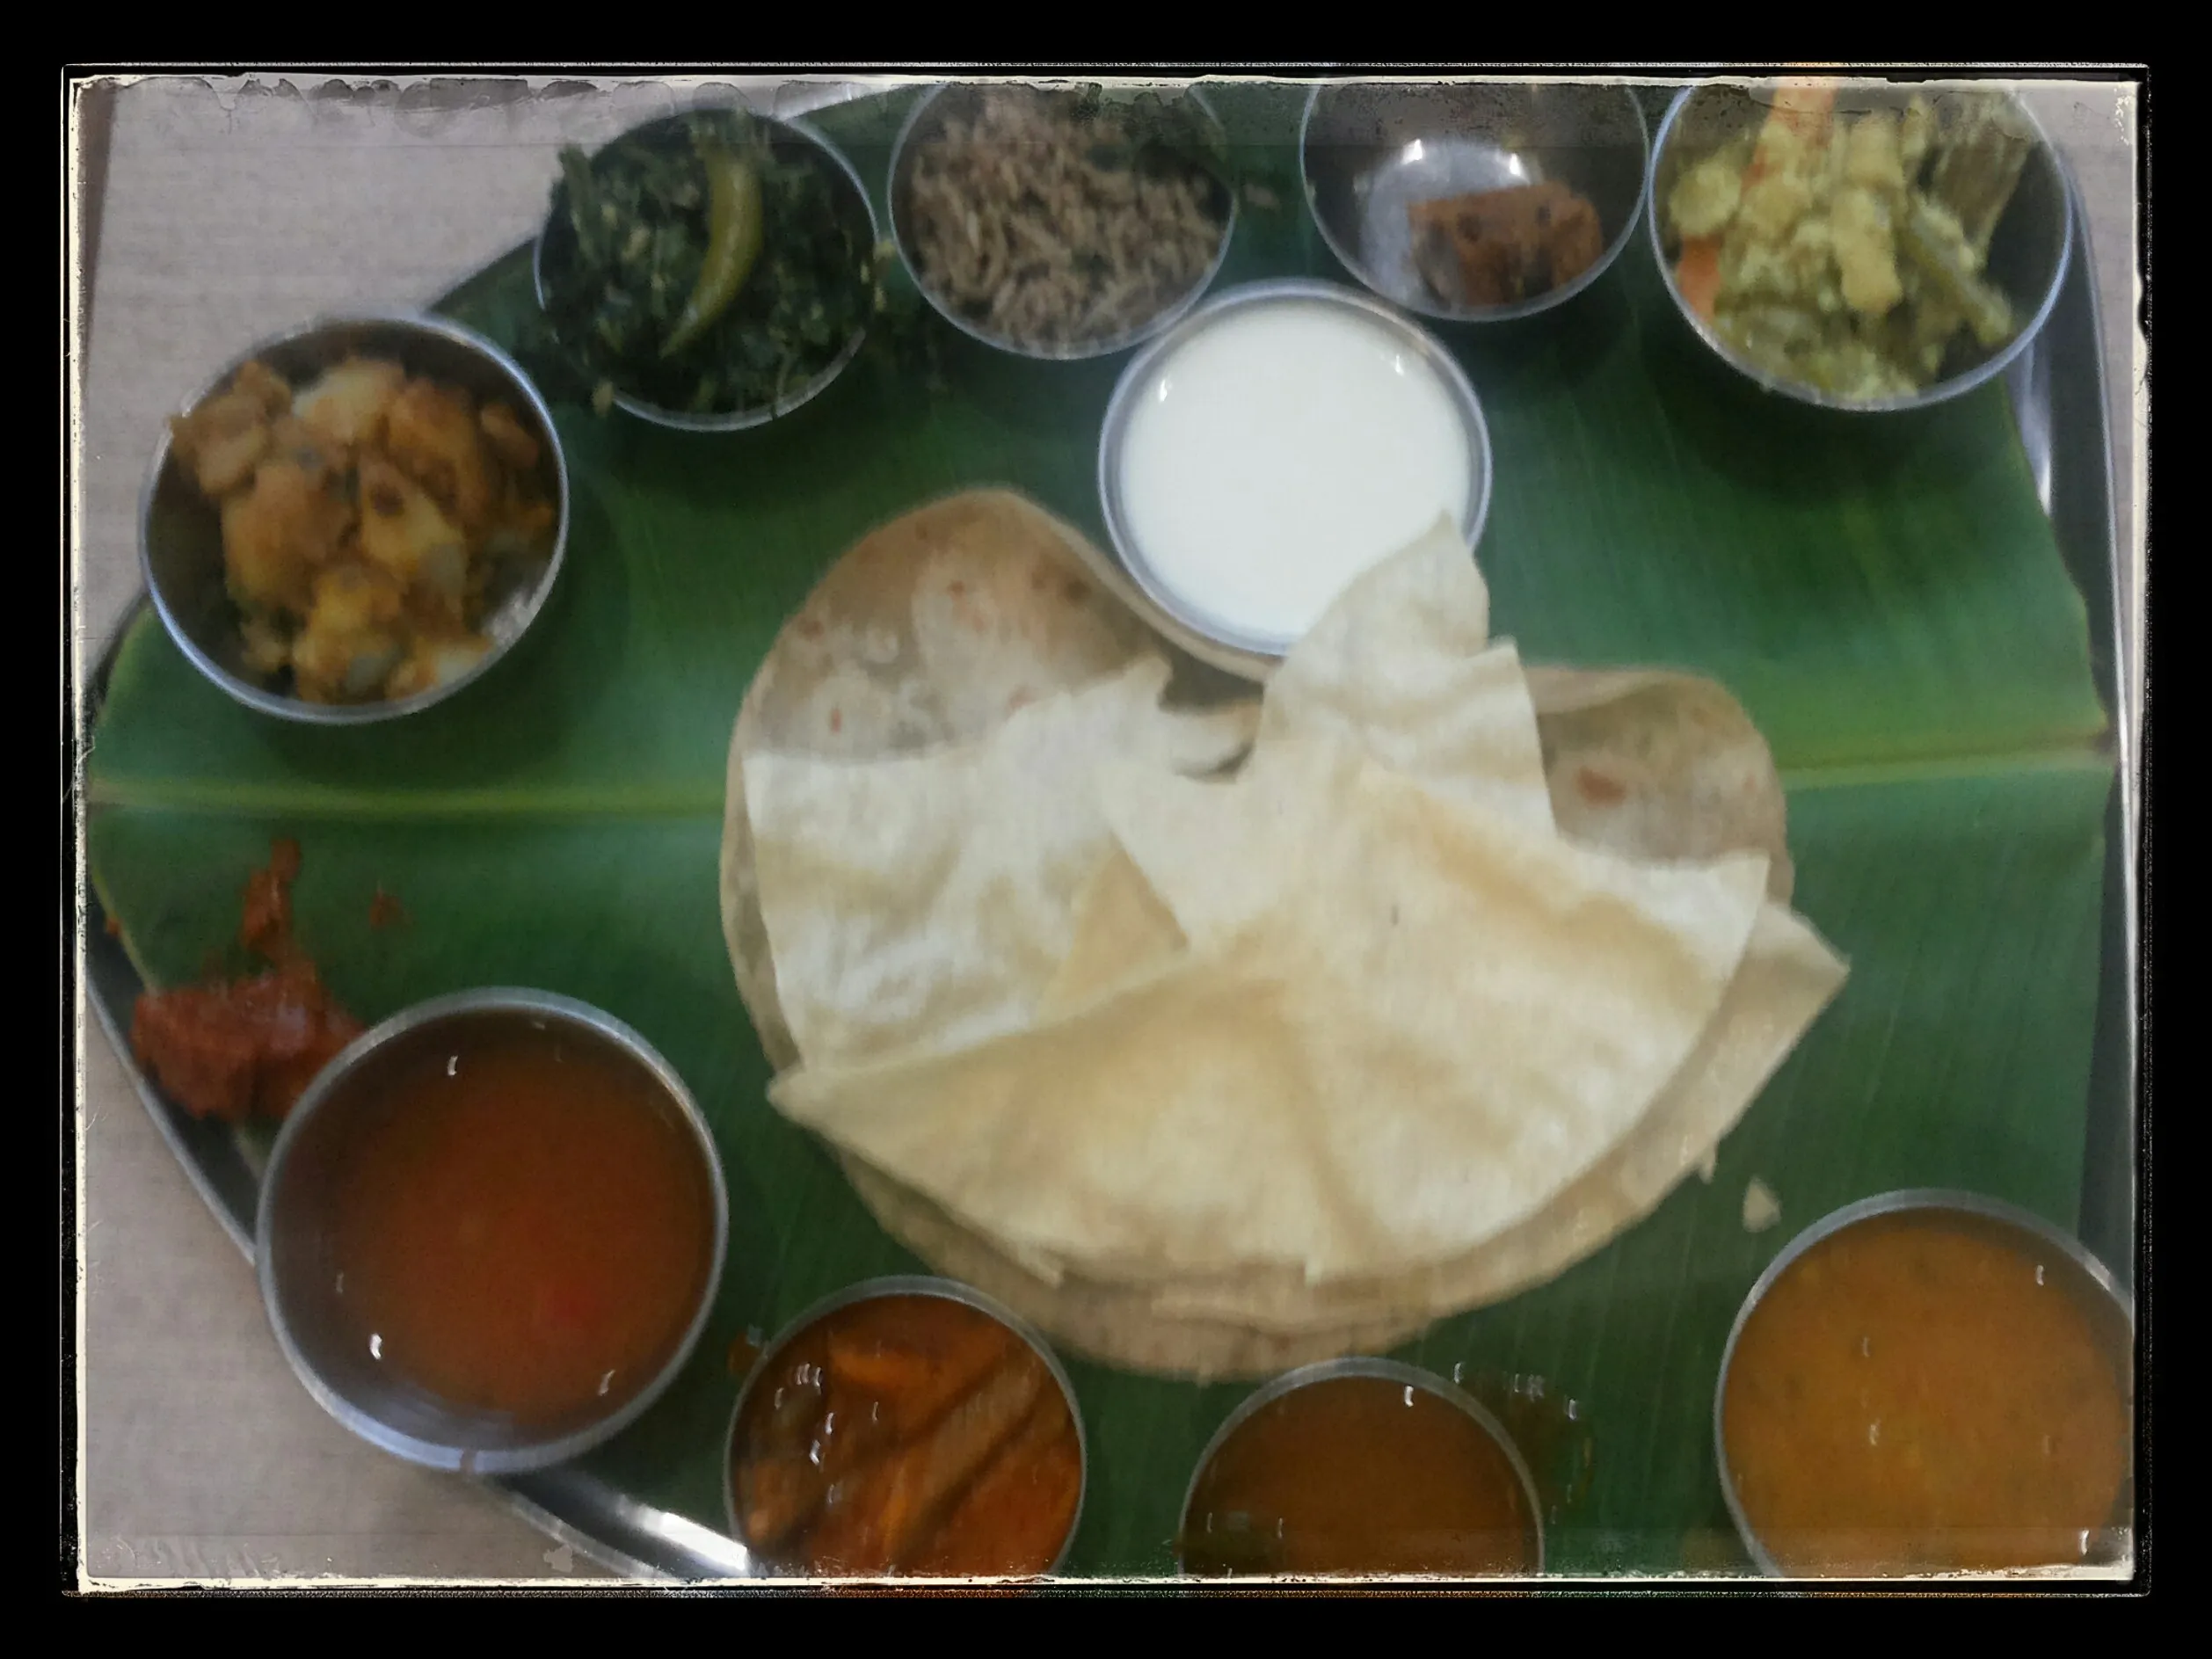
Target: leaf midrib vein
<point>691,799</point>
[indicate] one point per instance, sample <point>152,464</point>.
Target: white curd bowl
<point>1273,446</point>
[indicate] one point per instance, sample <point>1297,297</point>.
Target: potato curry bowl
<point>356,519</point>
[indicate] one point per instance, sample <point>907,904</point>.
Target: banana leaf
<point>1889,599</point>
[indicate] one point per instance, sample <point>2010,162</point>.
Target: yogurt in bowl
<point>1265,452</point>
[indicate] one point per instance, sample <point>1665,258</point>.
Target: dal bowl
<point>2026,257</point>
<point>1372,153</point>
<point>181,532</point>
<point>1929,1382</point>
<point>1361,1467</point>
<point>491,1232</point>
<point>962,1424</point>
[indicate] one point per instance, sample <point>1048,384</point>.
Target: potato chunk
<point>279,533</point>
<point>434,660</point>
<point>433,438</point>
<point>345,408</point>
<point>510,440</point>
<point>1705,197</point>
<point>354,636</point>
<point>222,439</point>
<point>405,536</point>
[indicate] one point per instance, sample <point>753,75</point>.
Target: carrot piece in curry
<point>1011,1521</point>
<point>1697,274</point>
<point>917,1382</point>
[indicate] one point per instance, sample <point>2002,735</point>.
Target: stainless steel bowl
<point>926,121</point>
<point>2027,253</point>
<point>1372,150</point>
<point>2081,1275</point>
<point>555,242</point>
<point>180,532</point>
<point>869,1290</point>
<point>1250,655</point>
<point>1388,1371</point>
<point>299,1291</point>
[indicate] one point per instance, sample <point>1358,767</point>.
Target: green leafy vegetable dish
<point>712,266</point>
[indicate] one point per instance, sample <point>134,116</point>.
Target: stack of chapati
<point>1216,1036</point>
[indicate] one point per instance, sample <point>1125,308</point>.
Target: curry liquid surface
<point>1913,1396</point>
<point>1359,1475</point>
<point>522,1225</point>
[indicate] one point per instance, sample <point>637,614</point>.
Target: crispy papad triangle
<point>1402,1026</point>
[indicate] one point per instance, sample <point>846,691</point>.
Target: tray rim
<point>658,1546</point>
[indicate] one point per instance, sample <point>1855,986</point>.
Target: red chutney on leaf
<point>251,1045</point>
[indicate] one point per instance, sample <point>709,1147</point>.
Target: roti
<point>1654,766</point>
<point>1659,765</point>
<point>931,629</point>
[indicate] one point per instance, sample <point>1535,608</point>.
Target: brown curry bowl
<point>303,1278</point>
<point>2070,1267</point>
<point>1389,1370</point>
<point>766,1366</point>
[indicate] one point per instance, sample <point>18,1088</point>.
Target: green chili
<point>735,232</point>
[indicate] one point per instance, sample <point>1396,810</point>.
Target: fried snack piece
<point>1503,246</point>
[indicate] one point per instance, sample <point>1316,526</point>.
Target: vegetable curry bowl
<point>1929,1383</point>
<point>906,1426</point>
<point>1859,246</point>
